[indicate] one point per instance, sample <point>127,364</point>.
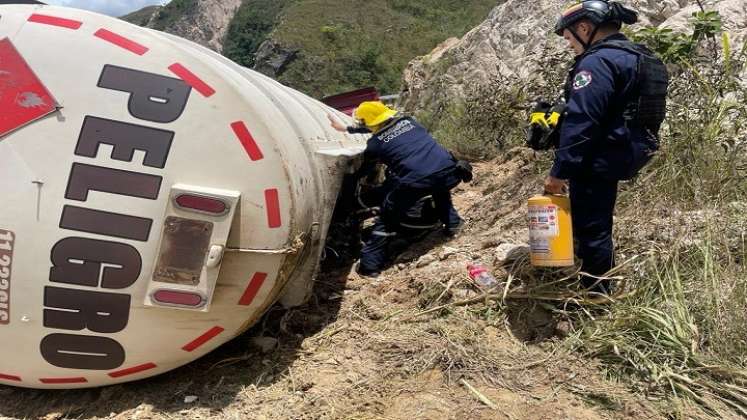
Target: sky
<point>109,7</point>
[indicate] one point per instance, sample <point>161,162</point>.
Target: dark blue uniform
<point>597,147</point>
<point>417,166</point>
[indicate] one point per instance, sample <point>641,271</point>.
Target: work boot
<point>452,231</point>
<point>365,273</point>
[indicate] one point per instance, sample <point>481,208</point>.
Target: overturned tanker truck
<point>157,198</point>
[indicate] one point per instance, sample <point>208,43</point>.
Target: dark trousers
<point>401,198</point>
<point>592,208</point>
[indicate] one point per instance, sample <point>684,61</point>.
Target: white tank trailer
<point>157,198</point>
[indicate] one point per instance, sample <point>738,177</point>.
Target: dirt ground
<point>364,349</point>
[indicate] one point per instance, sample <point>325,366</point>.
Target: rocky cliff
<point>202,21</point>
<point>515,46</point>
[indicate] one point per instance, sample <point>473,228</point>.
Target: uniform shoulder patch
<point>582,79</point>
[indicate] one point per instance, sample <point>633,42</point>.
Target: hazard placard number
<point>6,266</point>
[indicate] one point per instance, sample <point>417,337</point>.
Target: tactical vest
<point>646,105</point>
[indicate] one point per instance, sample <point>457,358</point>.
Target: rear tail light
<point>200,203</point>
<point>179,298</point>
<point>195,232</point>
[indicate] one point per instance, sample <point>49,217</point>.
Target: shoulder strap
<point>625,45</point>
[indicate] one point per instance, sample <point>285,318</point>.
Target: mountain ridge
<point>320,47</point>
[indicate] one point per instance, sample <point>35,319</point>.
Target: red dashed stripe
<point>212,333</point>
<point>63,380</point>
<point>272,200</point>
<point>192,80</point>
<point>246,139</point>
<point>251,291</point>
<point>132,370</point>
<point>10,377</point>
<point>55,21</point>
<point>121,41</point>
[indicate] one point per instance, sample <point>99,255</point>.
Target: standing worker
<point>616,103</point>
<point>419,167</point>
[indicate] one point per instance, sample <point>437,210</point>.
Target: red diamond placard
<point>23,97</point>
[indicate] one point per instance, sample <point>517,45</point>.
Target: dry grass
<point>358,351</point>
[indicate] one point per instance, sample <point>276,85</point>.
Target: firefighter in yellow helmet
<point>372,115</point>
<point>417,166</point>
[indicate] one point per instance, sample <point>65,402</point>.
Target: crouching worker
<point>418,167</point>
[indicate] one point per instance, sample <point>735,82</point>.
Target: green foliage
<point>703,155</point>
<point>489,118</point>
<point>706,24</point>
<point>252,24</point>
<point>340,45</point>
<point>172,12</point>
<point>675,47</point>
<point>682,332</point>
<point>348,45</point>
<point>669,45</point>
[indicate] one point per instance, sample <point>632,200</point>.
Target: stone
<point>510,252</point>
<point>425,260</point>
<point>447,252</point>
<point>272,58</point>
<point>264,344</point>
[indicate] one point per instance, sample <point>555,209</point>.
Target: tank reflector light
<point>58,381</point>
<point>178,297</point>
<point>205,204</point>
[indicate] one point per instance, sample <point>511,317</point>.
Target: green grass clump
<point>682,331</point>
<point>170,13</point>
<point>490,118</point>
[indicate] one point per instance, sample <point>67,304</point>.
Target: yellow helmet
<point>373,113</point>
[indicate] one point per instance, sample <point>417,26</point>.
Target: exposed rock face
<point>208,23</point>
<point>732,12</point>
<point>515,45</point>
<point>205,23</point>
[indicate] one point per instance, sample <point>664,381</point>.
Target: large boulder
<point>273,58</point>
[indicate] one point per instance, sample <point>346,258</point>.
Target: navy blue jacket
<point>410,153</point>
<point>594,138</point>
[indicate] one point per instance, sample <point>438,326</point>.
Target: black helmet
<point>598,12</point>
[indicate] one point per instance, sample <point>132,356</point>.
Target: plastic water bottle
<point>480,274</point>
